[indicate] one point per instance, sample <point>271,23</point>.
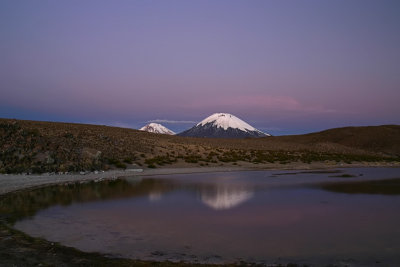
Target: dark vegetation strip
<point>375,187</point>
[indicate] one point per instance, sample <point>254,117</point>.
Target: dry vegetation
<point>37,147</point>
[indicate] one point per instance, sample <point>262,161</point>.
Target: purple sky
<point>283,66</point>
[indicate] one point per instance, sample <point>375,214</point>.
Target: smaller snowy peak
<point>226,120</point>
<point>156,128</point>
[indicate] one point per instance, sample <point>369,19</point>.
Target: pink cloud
<point>259,102</point>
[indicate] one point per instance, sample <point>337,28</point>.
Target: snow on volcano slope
<point>225,120</point>
<point>156,128</point>
<point>223,125</point>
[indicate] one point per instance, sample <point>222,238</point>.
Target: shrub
<point>160,160</point>
<point>117,163</point>
<point>120,165</point>
<point>128,160</point>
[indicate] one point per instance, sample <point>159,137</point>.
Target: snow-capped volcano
<point>156,128</point>
<point>223,125</point>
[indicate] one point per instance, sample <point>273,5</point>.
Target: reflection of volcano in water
<point>225,196</point>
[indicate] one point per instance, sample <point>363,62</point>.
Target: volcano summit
<point>223,125</point>
<point>156,128</point>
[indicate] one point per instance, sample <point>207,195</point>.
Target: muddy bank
<point>19,249</point>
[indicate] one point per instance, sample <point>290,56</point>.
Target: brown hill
<point>35,146</point>
<point>383,140</point>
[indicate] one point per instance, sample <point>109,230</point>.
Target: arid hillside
<point>383,140</point>
<point>35,147</point>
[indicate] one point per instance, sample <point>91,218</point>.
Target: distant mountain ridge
<point>223,125</point>
<point>38,146</point>
<point>157,128</point>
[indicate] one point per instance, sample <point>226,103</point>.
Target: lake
<point>346,216</point>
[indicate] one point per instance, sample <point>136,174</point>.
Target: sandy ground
<point>14,182</point>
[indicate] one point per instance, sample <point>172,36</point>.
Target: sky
<point>285,67</point>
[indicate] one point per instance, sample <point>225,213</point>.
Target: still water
<point>259,216</point>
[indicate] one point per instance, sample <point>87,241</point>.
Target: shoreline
<point>20,249</point>
<point>15,182</point>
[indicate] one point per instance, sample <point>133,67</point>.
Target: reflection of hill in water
<point>26,203</point>
<point>225,196</point>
